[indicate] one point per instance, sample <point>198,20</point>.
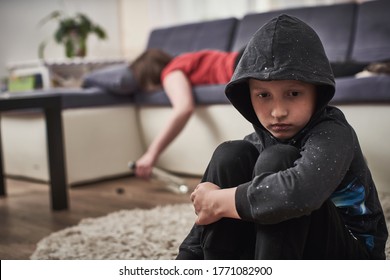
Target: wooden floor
<point>26,217</point>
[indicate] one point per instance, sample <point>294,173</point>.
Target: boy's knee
<point>237,151</point>
<point>277,158</point>
<point>231,164</point>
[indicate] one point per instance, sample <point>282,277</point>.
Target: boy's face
<point>283,107</point>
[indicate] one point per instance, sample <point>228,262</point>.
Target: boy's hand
<point>204,200</point>
<point>212,203</point>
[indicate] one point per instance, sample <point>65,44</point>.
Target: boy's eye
<point>263,95</point>
<point>293,93</point>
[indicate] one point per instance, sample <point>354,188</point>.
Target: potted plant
<point>72,32</point>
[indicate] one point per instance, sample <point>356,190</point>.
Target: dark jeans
<point>320,235</point>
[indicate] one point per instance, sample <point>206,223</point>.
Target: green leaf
<point>99,32</point>
<point>82,48</point>
<point>59,35</point>
<point>69,49</point>
<point>85,22</point>
<point>41,50</point>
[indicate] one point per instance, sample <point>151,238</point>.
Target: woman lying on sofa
<point>155,69</point>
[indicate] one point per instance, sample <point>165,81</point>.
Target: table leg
<point>2,178</point>
<point>57,169</point>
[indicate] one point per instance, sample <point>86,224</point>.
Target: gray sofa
<point>104,127</point>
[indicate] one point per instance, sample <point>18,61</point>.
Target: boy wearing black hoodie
<point>298,187</point>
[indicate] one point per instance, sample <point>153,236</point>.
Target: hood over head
<point>285,48</point>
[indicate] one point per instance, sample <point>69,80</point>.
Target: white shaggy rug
<point>127,234</point>
<point>132,234</point>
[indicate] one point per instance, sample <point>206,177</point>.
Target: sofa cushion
<point>368,90</point>
<point>348,68</point>
<point>203,95</point>
<point>216,34</point>
<point>323,19</point>
<point>90,97</point>
<point>372,38</point>
<point>116,79</point>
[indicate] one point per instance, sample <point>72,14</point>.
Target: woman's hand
<point>144,166</point>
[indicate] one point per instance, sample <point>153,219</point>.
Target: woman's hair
<point>148,66</point>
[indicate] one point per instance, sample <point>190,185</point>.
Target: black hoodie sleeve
<point>326,155</point>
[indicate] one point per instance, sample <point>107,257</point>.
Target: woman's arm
<point>179,91</point>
